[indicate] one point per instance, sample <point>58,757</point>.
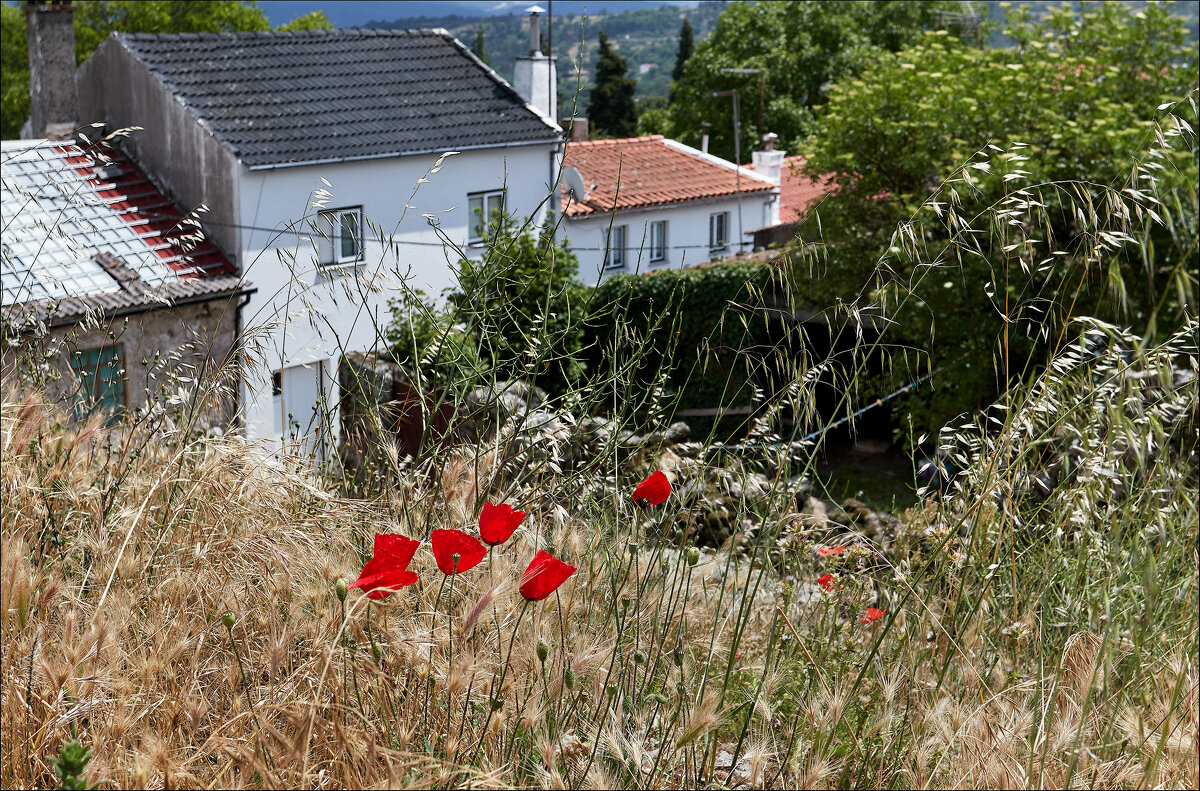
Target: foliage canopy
<point>1056,123</point>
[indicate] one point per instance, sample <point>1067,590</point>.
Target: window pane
<point>495,206</point>
<point>477,220</point>
<point>349,236</point>
<point>324,237</point>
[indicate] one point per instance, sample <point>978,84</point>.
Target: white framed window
<point>483,208</point>
<point>718,230</point>
<point>614,255</point>
<point>658,241</point>
<point>339,236</point>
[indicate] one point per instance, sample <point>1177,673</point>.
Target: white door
<point>304,410</point>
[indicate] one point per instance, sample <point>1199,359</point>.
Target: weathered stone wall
<point>165,349</point>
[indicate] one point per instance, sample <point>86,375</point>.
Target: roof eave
<point>393,154</point>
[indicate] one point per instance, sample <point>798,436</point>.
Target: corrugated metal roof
<point>277,98</point>
<point>88,225</point>
<point>640,172</point>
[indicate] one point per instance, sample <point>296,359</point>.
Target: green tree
<point>611,109</point>
<point>96,20</point>
<point>1059,120</point>
<point>801,46</point>
<point>316,20</point>
<point>516,313</point>
<point>687,45</point>
<point>477,45</point>
<point>14,71</point>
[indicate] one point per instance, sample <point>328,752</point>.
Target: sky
<point>343,13</point>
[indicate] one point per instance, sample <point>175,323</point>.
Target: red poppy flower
<point>448,543</point>
<point>654,490</point>
<point>826,582</point>
<point>544,575</point>
<point>873,614</point>
<point>497,523</point>
<point>828,551</point>
<point>387,571</point>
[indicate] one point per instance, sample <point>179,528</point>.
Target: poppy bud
<point>569,679</point>
<point>340,587</point>
<point>227,620</point>
<point>677,656</point>
<point>495,703</point>
<point>660,699</point>
<point>377,652</point>
<point>543,650</point>
<point>639,657</point>
<point>693,556</point>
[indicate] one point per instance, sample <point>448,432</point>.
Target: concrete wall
<point>687,234</point>
<point>183,158</point>
<point>160,346</point>
<point>304,313</point>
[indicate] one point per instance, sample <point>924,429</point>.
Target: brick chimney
<point>53,103</point>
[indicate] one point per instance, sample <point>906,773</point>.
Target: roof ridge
<point>360,32</point>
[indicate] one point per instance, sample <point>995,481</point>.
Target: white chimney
<point>768,161</point>
<point>535,77</point>
<point>704,127</point>
<point>53,103</point>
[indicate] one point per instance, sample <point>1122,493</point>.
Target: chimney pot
<point>704,127</point>
<point>53,102</point>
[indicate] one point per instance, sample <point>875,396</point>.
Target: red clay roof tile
<point>652,171</point>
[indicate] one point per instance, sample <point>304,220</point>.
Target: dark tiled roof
<point>325,95</point>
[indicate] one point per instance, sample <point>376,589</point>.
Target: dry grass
<point>112,598</point>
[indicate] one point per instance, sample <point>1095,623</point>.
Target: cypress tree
<point>477,44</point>
<point>611,111</point>
<point>686,45</point>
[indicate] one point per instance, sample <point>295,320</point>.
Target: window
<point>339,236</point>
<point>718,230</point>
<point>614,257</point>
<point>658,241</point>
<point>484,209</point>
<point>101,377</point>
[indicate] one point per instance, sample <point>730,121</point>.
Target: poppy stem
<point>450,646</point>
<point>496,690</point>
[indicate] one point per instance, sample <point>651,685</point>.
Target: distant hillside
<point>646,37</point>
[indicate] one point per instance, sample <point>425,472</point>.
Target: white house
<point>334,164</point>
<point>646,203</point>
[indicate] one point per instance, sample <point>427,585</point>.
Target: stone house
<point>111,298</point>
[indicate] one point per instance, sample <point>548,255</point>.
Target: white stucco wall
<point>303,313</point>
<point>687,234</point>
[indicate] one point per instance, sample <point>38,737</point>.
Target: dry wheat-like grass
<point>116,570</point>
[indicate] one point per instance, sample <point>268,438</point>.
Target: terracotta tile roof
<point>653,171</point>
<point>799,192</point>
<point>87,224</point>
